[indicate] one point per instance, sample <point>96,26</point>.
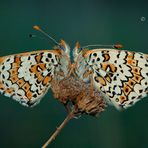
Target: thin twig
<point>68,118</point>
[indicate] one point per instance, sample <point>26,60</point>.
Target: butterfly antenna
<point>117,46</point>
<point>36,27</point>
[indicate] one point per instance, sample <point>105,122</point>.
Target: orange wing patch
<point>131,83</point>
<point>122,99</point>
<point>14,78</point>
<point>21,82</point>
<point>26,86</point>
<point>106,57</point>
<point>137,78</point>
<point>29,95</point>
<point>126,89</point>
<point>111,67</point>
<point>46,80</point>
<point>136,70</point>
<point>14,71</point>
<point>101,80</point>
<point>9,91</point>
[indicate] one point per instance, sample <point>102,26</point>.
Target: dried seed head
<point>84,98</point>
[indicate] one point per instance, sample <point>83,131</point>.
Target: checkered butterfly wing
<point>26,77</point>
<point>121,76</point>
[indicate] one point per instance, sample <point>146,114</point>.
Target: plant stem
<point>53,136</point>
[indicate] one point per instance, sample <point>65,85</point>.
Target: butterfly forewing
<point>121,75</point>
<point>26,77</point>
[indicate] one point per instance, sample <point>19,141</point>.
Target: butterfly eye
<point>62,47</point>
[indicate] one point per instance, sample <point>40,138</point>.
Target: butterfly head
<point>64,47</point>
<point>78,50</point>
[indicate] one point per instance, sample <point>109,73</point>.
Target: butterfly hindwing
<point>26,77</point>
<point>121,75</point>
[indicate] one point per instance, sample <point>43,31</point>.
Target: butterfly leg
<point>91,86</point>
<point>61,73</point>
<point>89,73</point>
<point>72,67</point>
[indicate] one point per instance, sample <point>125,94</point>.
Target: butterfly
<point>120,76</point>
<point>94,78</point>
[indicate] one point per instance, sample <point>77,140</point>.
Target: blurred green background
<point>90,22</point>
